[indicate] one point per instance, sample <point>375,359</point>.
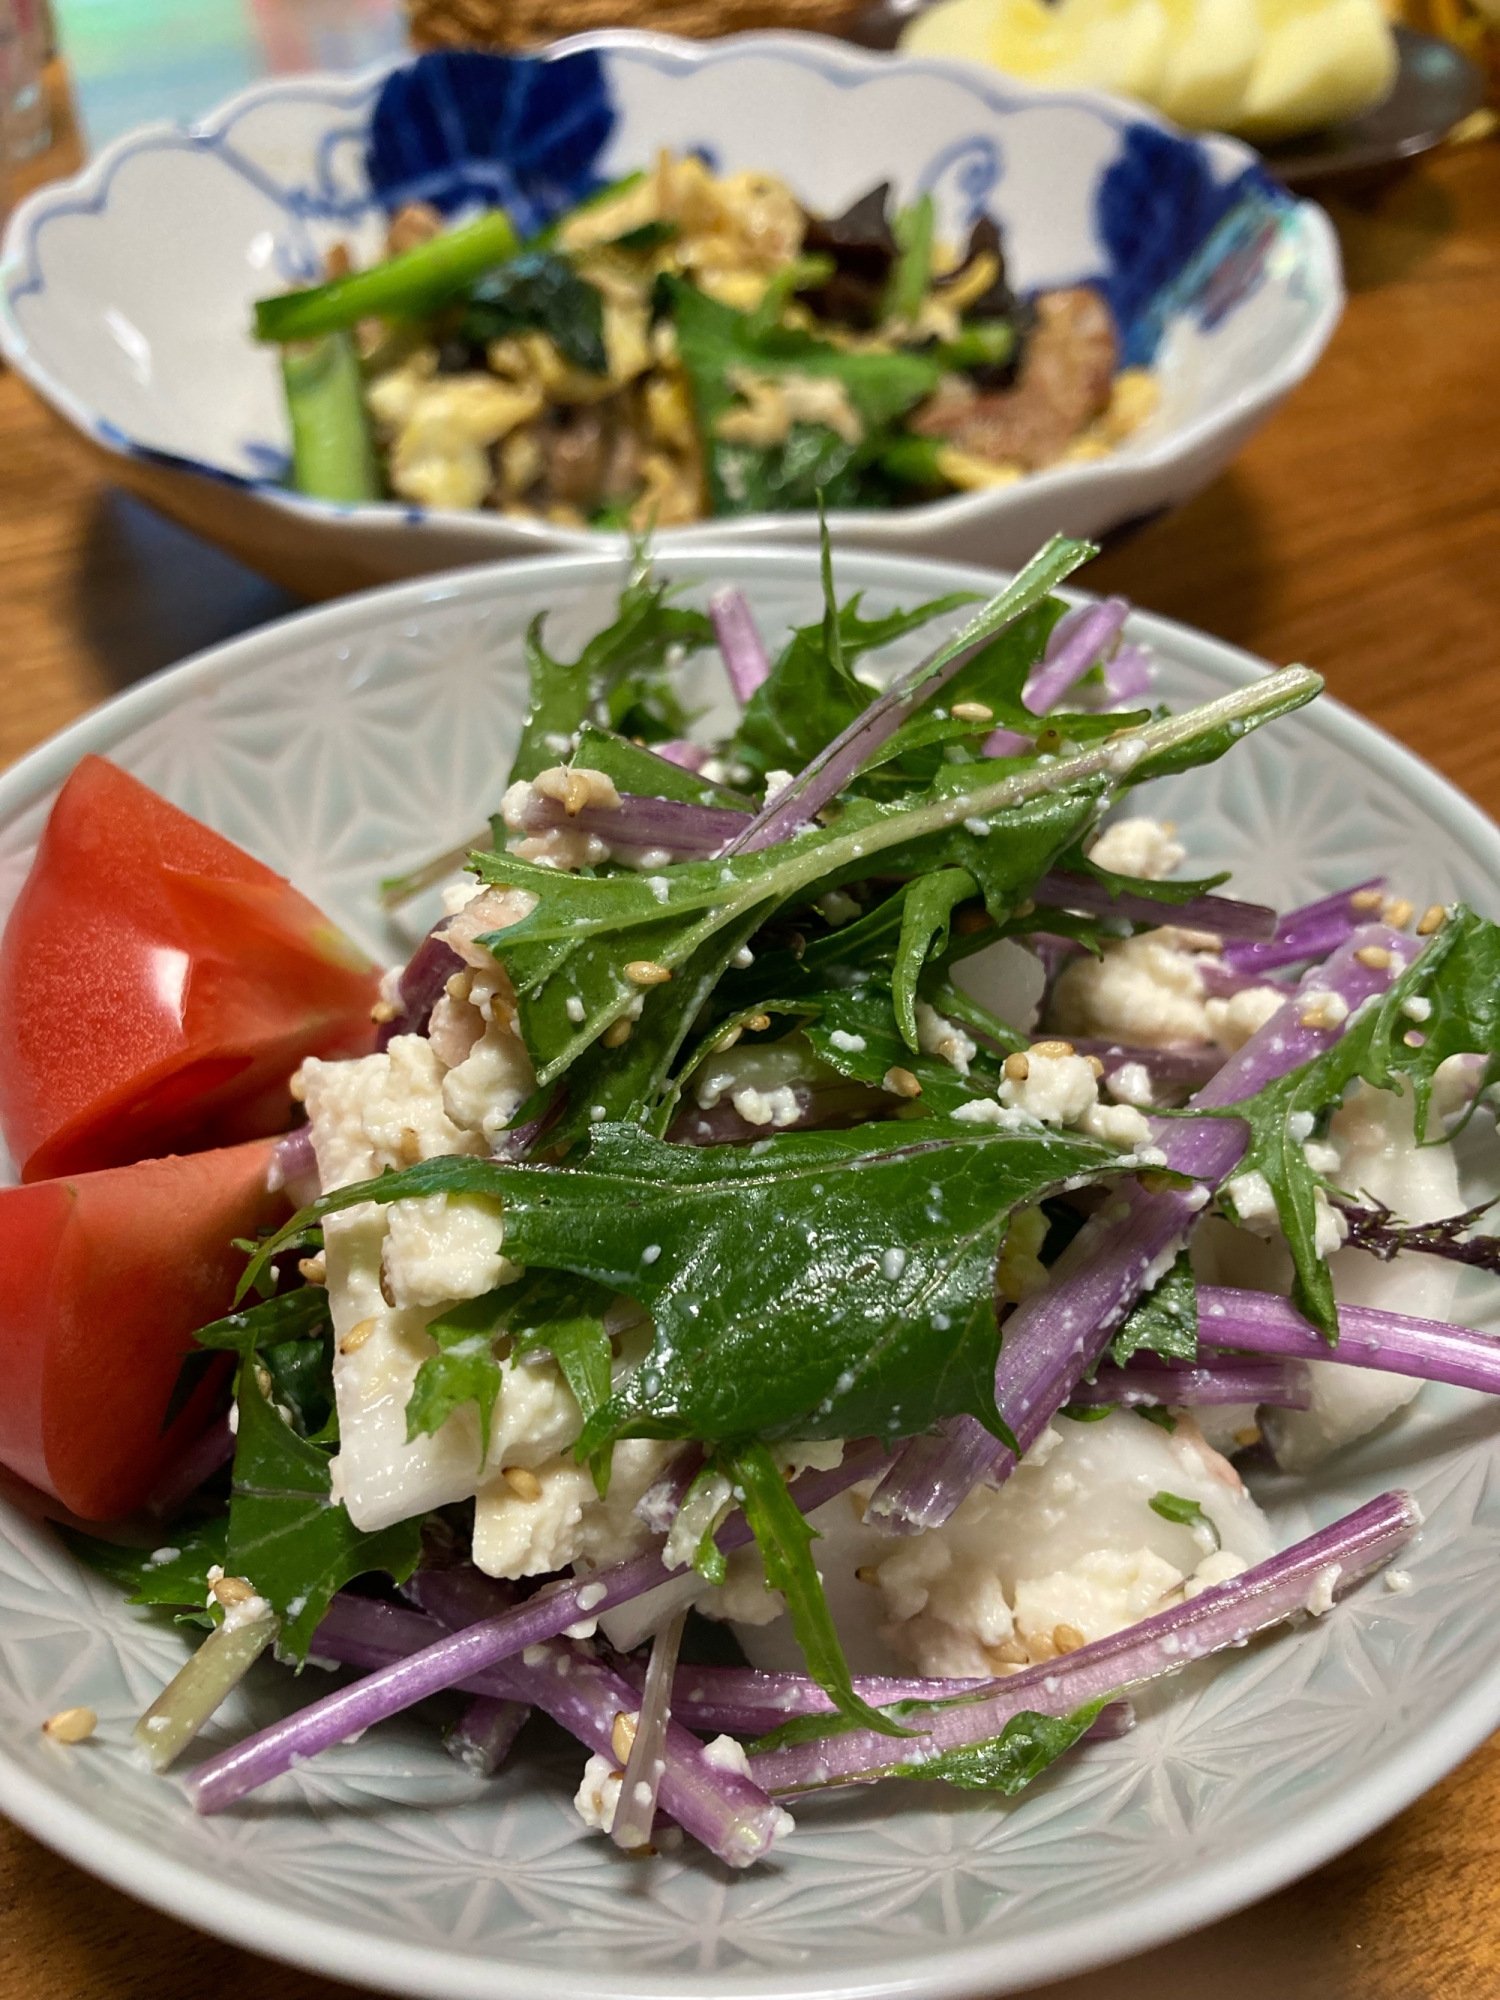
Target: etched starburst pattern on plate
<point>352,744</point>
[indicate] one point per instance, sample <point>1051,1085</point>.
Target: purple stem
<point>686,756</point>
<point>1006,743</point>
<point>728,1813</point>
<point>294,1166</point>
<point>203,1457</point>
<point>688,831</point>
<point>1312,931</point>
<point>453,1660</point>
<point>744,651</point>
<point>1434,1351</point>
<point>1223,915</point>
<point>485,1734</point>
<point>825,777</point>
<point>1076,644</point>
<point>1309,1573</point>
<point>1179,1067</point>
<point>747,1703</point>
<point>1056,1337</point>
<point>657,1507</point>
<point>1145,1379</point>
<point>428,971</point>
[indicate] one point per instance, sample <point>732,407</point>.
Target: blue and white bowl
<point>125,293</point>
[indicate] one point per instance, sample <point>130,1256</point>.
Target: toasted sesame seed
<point>1041,1646</point>
<point>622,1735</point>
<point>383,1011</point>
<point>858,1501</point>
<point>1095,1065</point>
<point>1248,1434</point>
<point>357,1336</point>
<point>1009,1653</point>
<point>456,986</point>
<point>1067,1638</point>
<point>1367,899</point>
<point>617,1034</point>
<point>1026,909</point>
<point>1375,956</point>
<point>71,1725</point>
<point>968,922</point>
<point>297,1088</point>
<point>1017,1067</point>
<point>1053,1049</point>
<point>314,1269</point>
<point>1432,920</point>
<point>757,1023</point>
<point>522,1482</point>
<point>1397,913</point>
<point>971,711</point>
<point>867,1573</point>
<point>233,1590</point>
<point>577,791</point>
<point>646,972</point>
<point>901,1083</point>
<point>1155,1183</point>
<point>411,1144</point>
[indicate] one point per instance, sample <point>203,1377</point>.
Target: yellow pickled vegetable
<point>1264,68</point>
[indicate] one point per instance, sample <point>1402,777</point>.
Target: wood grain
<point>1359,532</point>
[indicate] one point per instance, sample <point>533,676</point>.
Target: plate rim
<point>205,1901</point>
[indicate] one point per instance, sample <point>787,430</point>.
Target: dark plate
<point>1436,85</point>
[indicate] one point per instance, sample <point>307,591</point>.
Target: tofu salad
<point>829,1220</point>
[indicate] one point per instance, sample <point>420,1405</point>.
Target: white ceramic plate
<point>362,737</point>
<point>125,292</point>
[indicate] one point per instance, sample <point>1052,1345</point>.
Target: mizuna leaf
<point>286,1533</point>
<point>814,1284</point>
<point>785,1541</point>
<point>925,919</point>
<point>1165,1320</point>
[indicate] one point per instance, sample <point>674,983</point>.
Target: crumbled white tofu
<point>938,1036</point>
<point>1057,1090</point>
<point>983,1111</point>
<point>1142,990</point>
<point>565,1521</point>
<point>490,1085</point>
<point>1233,1021</point>
<point>1131,1084</point>
<point>1102,1592</point>
<point>1070,1539</point>
<point>778,1107</point>
<point>1142,847</point>
<point>1219,1567</point>
<point>724,1753</point>
<point>598,1797</point>
<point>852,1045</point>
<point>380,1111</point>
<point>443,1248</point>
<point>776,784</point>
<point>1254,1203</point>
<point>1116,1124</point>
<point>1380,1161</point>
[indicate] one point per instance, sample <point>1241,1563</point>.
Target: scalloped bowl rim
<point>1202,1895</point>
<point>87,191</point>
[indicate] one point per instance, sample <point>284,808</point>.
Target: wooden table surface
<point>1360,532</point>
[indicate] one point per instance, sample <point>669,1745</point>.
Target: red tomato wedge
<point>104,1278</point>
<point>158,986</point>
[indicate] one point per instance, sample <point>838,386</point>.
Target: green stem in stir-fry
<point>333,454</point>
<point>402,287</point>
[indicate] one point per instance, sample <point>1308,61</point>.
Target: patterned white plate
<point>357,739</point>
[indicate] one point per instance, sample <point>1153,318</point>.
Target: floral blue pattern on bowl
<point>125,294</point>
<point>457,127</point>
